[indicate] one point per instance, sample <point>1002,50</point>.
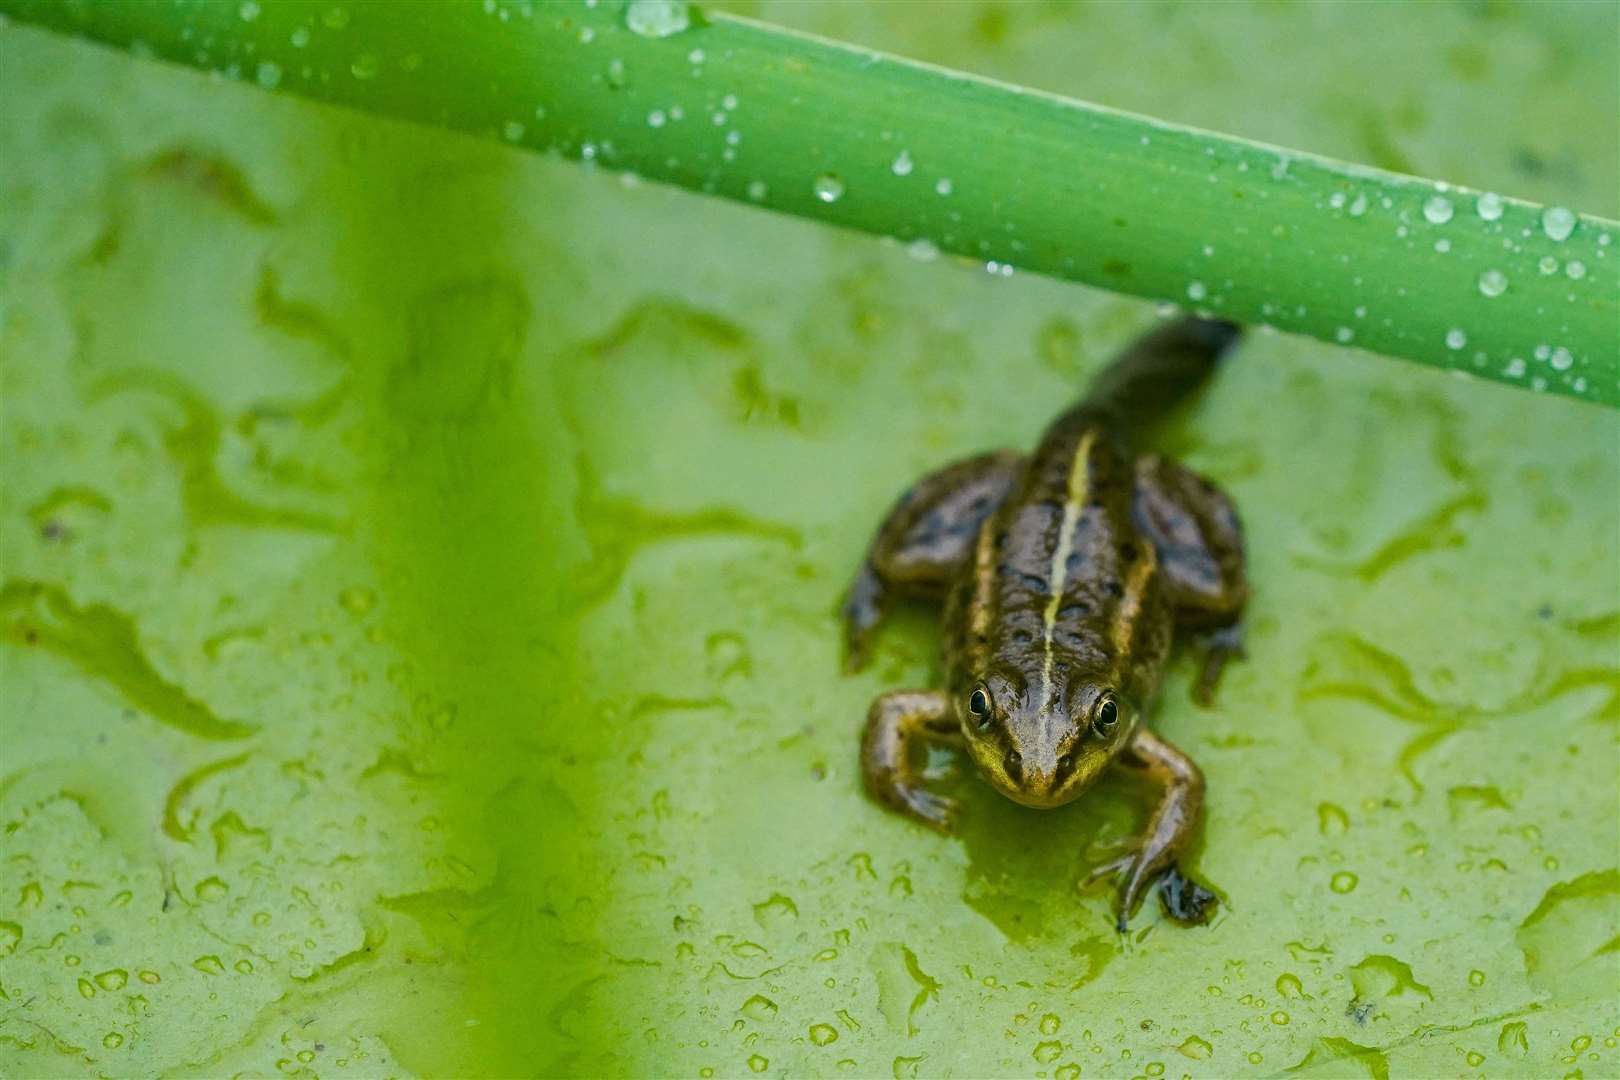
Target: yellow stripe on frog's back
<point>1079,489</point>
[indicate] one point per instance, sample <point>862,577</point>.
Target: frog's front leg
<point>1195,531</point>
<point>1169,832</point>
<point>924,541</point>
<point>896,722</point>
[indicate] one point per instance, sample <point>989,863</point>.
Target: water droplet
<point>1279,1018</point>
<point>1437,210</point>
<point>1343,335</point>
<point>10,937</point>
<point>335,18</point>
<point>1475,1058</point>
<point>758,1007</point>
<point>244,967</point>
<point>1255,1058</point>
<point>1047,1052</point>
<point>113,979</point>
<point>87,989</point>
<point>1558,222</point>
<point>729,102</point>
<point>248,10</point>
<point>268,74</point>
<point>822,1034</point>
<point>902,164</point>
<point>209,965</point>
<point>1196,290</point>
<point>1476,978</point>
<point>1289,986</point>
<point>943,186</point>
<point>586,35</point>
<point>1344,881</point>
<point>696,56</point>
<point>1561,359</point>
<point>1358,206</point>
<point>299,37</point>
<point>1455,339</point>
<point>1336,200</point>
<point>1488,206</point>
<point>758,1064</point>
<point>1493,283</point>
<point>112,1040</point>
<point>657,18</point>
<point>656,118</point>
<point>1547,264</point>
<point>923,250</point>
<point>757,190</point>
<point>829,188</point>
<point>1575,269</point>
<point>512,131</point>
<point>151,978</point>
<point>1050,1024</point>
<point>1442,245</point>
<point>305,1056</point>
<point>1196,1048</point>
<point>1071,1071</point>
<point>365,66</point>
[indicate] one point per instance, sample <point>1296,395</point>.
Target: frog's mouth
<point>1042,785</point>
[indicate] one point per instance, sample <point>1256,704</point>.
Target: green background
<point>417,636</point>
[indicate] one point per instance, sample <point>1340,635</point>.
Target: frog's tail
<point>1159,369</point>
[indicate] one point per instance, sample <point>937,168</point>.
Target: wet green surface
<point>419,565</point>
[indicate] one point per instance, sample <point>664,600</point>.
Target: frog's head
<point>1044,745</point>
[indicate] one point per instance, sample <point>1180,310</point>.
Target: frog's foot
<point>1136,874</point>
<point>1185,900</point>
<point>1220,646</point>
<point>863,609</point>
<point>938,812</point>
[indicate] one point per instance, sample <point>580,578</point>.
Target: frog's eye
<point>978,707</point>
<point>1106,717</point>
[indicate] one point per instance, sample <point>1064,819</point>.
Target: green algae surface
<point>419,564</point>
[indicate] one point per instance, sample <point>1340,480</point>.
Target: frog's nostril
<point>1065,762</point>
<point>1015,763</point>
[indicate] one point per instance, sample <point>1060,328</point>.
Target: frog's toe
<point>1108,869</point>
<point>1185,900</point>
<point>1134,869</point>
<point>936,811</point>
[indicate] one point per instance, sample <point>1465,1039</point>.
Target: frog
<point>1064,577</point>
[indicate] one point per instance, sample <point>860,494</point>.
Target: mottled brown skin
<point>1065,574</point>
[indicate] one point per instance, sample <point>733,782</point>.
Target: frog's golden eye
<point>978,707</point>
<point>1106,717</point>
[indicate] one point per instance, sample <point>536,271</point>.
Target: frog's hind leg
<point>924,541</point>
<point>1199,540</point>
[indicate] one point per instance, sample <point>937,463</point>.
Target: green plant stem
<point>1010,177</point>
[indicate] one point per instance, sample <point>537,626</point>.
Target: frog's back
<point>1059,569</point>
